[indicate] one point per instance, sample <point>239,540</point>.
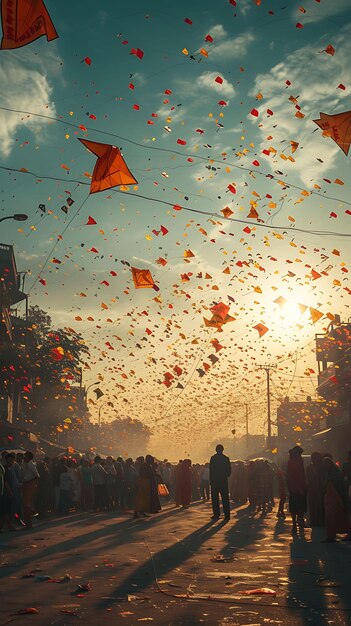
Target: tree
<point>54,358</point>
<point>123,436</point>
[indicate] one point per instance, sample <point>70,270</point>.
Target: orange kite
<point>142,278</point>
<point>337,127</point>
<point>110,169</point>
<point>24,21</point>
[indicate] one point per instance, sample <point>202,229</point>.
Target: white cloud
<point>317,91</point>
<point>244,6</point>
<point>217,32</point>
<point>319,12</point>
<point>27,88</point>
<point>236,47</point>
<point>207,81</point>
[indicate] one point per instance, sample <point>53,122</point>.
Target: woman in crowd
<point>86,485</point>
<point>155,479</point>
<point>130,479</point>
<point>205,483</point>
<point>335,502</point>
<point>146,499</point>
<point>185,478</point>
<point>315,495</point>
<point>7,494</point>
<point>66,491</point>
<point>297,488</point>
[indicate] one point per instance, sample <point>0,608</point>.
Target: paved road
<point>166,570</point>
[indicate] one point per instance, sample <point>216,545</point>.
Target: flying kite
<point>24,21</point>
<point>142,278</point>
<point>220,316</point>
<point>110,169</point>
<point>337,127</point>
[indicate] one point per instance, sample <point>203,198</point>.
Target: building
<point>333,353</point>
<point>297,423</point>
<point>12,331</point>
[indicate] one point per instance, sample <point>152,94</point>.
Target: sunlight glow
<point>291,312</point>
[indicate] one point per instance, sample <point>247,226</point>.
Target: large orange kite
<point>337,127</point>
<point>24,21</point>
<point>110,169</point>
<point>142,278</point>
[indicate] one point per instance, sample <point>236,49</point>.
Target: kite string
<point>187,382</point>
<point>287,229</point>
<point>56,243</point>
<point>156,148</point>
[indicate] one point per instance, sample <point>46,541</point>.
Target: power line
<point>168,150</point>
<point>286,229</point>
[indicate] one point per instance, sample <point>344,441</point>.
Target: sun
<point>291,312</point>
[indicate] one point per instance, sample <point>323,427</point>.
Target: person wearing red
<point>281,492</point>
<point>337,519</point>
<point>296,482</point>
<point>185,483</point>
<point>177,483</point>
<point>315,495</point>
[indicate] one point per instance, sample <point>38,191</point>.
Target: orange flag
<point>337,127</point>
<point>24,21</point>
<point>110,169</point>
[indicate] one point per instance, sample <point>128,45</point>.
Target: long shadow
<point>120,533</point>
<point>280,528</point>
<point>165,561</point>
<point>319,580</point>
<point>247,529</point>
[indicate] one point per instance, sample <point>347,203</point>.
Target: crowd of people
<point>323,489</point>
<point>68,484</point>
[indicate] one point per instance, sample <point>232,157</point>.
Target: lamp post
<point>81,391</point>
<point>100,407</point>
<point>18,217</point>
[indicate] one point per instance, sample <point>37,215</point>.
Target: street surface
<point>198,572</point>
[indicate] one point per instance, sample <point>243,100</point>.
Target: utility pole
<point>268,368</point>
<point>247,424</point>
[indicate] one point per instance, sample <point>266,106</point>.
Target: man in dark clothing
<point>220,470</point>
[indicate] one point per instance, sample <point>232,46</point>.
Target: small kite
<point>142,278</point>
<point>220,310</point>
<point>24,21</point>
<point>337,127</point>
<point>261,328</point>
<point>110,169</point>
<point>98,393</point>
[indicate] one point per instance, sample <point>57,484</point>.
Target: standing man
<point>99,476</point>
<point>30,477</point>
<point>220,470</point>
<point>296,481</point>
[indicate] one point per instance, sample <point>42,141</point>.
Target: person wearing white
<point>30,477</point>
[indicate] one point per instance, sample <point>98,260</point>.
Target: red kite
<point>337,127</point>
<point>142,278</point>
<point>220,310</point>
<point>110,169</point>
<point>261,328</point>
<point>24,21</point>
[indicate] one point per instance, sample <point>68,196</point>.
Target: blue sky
<point>255,51</point>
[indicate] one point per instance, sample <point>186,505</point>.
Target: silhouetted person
<point>220,470</point>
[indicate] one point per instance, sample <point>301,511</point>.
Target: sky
<point>205,120</point>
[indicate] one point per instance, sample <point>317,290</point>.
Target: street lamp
<point>92,384</point>
<point>18,217</point>
<point>100,407</point>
